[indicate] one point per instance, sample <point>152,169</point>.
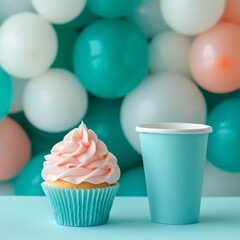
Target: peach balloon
<point>14,148</point>
<point>215,58</point>
<point>232,12</point>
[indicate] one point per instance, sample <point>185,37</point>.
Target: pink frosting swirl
<point>81,157</point>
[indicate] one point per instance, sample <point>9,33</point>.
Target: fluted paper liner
<point>81,207</point>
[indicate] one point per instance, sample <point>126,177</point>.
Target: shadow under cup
<point>174,157</point>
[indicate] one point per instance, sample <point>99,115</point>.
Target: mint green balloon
<point>224,142</point>
<point>5,93</point>
<point>112,8</point>
<point>103,116</point>
<point>66,40</point>
<point>133,183</point>
<point>110,58</point>
<point>29,181</point>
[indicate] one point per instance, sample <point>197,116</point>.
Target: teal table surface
<point>25,218</point>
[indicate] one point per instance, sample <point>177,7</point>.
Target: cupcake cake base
<point>84,185</point>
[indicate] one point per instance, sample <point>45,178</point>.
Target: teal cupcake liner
<point>81,207</point>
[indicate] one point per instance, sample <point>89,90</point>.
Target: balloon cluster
<point>115,64</point>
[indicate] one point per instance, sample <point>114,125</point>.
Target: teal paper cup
<point>174,157</point>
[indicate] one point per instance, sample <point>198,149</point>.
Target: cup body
<point>174,157</point>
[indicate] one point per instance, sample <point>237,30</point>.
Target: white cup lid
<point>174,128</point>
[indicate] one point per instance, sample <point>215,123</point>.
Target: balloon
<point>11,7</point>
<point>14,148</point>
<point>5,93</point>
<point>43,141</point>
<point>86,17</point>
<point>165,97</point>
<point>112,9</point>
<point>6,188</point>
<point>59,11</point>
<point>40,145</point>
<point>55,101</point>
<point>132,183</point>
<point>224,142</point>
<point>215,58</point>
<point>28,45</point>
<point>66,40</point>
<point>214,99</point>
<point>18,88</point>
<point>20,118</point>
<point>169,51</point>
<point>110,58</point>
<point>192,17</point>
<point>231,12</point>
<point>220,183</point>
<point>148,17</point>
<point>103,116</point>
<point>29,180</point>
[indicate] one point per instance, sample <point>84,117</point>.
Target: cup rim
<point>174,128</point>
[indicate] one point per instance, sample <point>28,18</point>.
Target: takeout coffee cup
<point>174,157</point>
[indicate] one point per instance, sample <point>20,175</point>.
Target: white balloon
<point>220,183</point>
<point>165,97</point>
<point>191,17</point>
<point>18,89</point>
<point>169,51</point>
<point>59,11</point>
<point>148,17</point>
<point>28,45</point>
<point>55,101</point>
<point>11,7</point>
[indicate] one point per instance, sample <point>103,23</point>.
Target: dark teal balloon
<point>110,58</point>
<point>66,40</point>
<point>132,183</point>
<point>213,99</point>
<point>43,141</point>
<point>21,119</point>
<point>5,93</point>
<point>29,180</point>
<point>86,17</point>
<point>112,8</point>
<point>103,116</point>
<point>224,142</point>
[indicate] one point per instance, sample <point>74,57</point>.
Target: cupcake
<point>80,179</point>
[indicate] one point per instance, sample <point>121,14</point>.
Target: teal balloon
<point>5,93</point>
<point>224,142</point>
<point>21,119</point>
<point>86,17</point>
<point>103,116</point>
<point>112,8</point>
<point>66,41</point>
<point>29,181</point>
<point>213,99</point>
<point>110,58</point>
<point>132,183</point>
<point>43,141</point>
